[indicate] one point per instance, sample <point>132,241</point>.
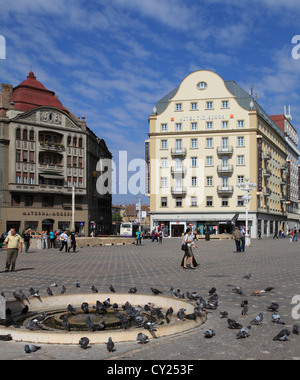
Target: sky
<point>112,60</point>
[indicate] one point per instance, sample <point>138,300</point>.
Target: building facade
<point>45,151</point>
<point>206,137</point>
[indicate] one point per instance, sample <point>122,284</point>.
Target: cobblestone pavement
<point>274,263</point>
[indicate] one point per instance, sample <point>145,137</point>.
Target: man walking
<point>73,241</point>
<point>27,238</point>
<point>12,244</point>
<point>64,241</point>
<point>237,237</point>
<point>243,240</point>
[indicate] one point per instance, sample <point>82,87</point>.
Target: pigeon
<point>244,333</point>
<point>149,326</point>
<point>32,325</point>
<point>63,290</point>
<point>277,319</point>
<point>100,308</point>
<point>296,330</point>
<point>90,324</point>
<point>233,325</point>
<point>212,291</point>
<point>224,314</point>
<point>209,334</point>
<point>49,292</point>
<point>142,338</point>
<point>268,289</point>
<point>23,296</point>
<point>181,314</point>
<point>106,303</point>
<point>29,348</point>
<point>77,284</point>
<point>25,310</point>
<point>237,290</point>
<point>101,326</point>
<point>258,320</point>
<point>84,342</point>
<point>132,290</point>
<point>85,308</point>
<point>248,276</point>
<point>5,338</point>
<point>34,293</point>
<point>282,336</point>
<point>244,302</point>
<point>17,297</point>
<point>112,289</point>
<point>245,310</point>
<point>66,324</point>
<point>173,292</point>
<point>94,290</point>
<point>156,291</point>
<point>170,311</point>
<point>72,310</point>
<point>192,316</point>
<point>273,307</point>
<point>110,345</point>
<point>125,322</point>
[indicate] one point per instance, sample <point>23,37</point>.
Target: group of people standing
<point>239,236</point>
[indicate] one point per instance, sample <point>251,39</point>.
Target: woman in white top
<point>189,242</point>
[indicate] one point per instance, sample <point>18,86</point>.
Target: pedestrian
<point>138,237</point>
<point>188,245</point>
<point>73,240</point>
<point>160,236</point>
<point>195,232</point>
<point>27,238</point>
<point>52,239</point>
<point>13,245</point>
<point>237,236</point>
<point>295,236</point>
<point>259,234</point>
<point>154,235</point>
<point>45,239</point>
<point>243,238</point>
<point>275,236</point>
<point>64,241</point>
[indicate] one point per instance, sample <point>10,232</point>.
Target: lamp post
<point>247,186</point>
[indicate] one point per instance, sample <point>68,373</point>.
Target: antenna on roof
<point>251,91</point>
<point>287,112</point>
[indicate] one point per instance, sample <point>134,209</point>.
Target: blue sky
<point>111,61</point>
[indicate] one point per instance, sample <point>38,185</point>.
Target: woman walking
<point>188,245</point>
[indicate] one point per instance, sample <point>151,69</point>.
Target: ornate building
<point>45,150</point>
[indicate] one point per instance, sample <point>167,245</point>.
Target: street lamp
<point>247,186</point>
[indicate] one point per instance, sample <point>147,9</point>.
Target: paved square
<point>274,263</point>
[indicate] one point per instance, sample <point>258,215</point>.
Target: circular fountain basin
<point>56,308</point>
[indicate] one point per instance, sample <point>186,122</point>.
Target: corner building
<point>207,136</point>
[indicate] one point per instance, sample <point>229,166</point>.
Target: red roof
<point>31,94</point>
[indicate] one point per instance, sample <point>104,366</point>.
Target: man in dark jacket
<point>237,237</point>
<point>73,241</point>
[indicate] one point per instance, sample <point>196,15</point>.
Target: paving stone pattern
<point>273,263</point>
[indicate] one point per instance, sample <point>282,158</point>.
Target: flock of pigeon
<point>135,315</point>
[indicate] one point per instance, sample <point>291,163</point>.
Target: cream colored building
<point>205,137</point>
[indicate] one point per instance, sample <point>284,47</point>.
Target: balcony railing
<point>179,152</point>
<point>266,156</point>
<point>225,169</point>
<point>225,150</point>
<point>179,191</point>
<point>178,172</point>
<point>225,190</point>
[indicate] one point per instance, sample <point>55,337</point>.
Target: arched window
<point>18,134</point>
<point>80,143</point>
<point>25,135</point>
<point>31,136</point>
<point>74,142</point>
<point>69,140</point>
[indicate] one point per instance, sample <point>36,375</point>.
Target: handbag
<point>184,247</point>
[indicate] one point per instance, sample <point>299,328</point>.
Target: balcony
<point>179,152</point>
<point>179,191</point>
<point>53,147</point>
<point>267,192</point>
<point>222,190</point>
<point>267,173</point>
<point>266,156</point>
<point>225,150</point>
<point>178,172</point>
<point>225,169</point>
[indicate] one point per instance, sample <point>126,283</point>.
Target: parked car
<point>35,235</point>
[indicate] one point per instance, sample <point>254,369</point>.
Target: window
<point>18,177</point>
<point>240,141</point>
<point>25,178</point>
<point>241,124</point>
<point>240,179</point>
<point>25,135</point>
<point>224,124</point>
<point>164,162</point>
<point>25,156</point>
<point>194,143</point>
<point>225,143</point>
<point>240,201</point>
<point>209,181</point>
<point>164,182</point>
<point>80,162</point>
<point>69,161</point>
<point>202,85</point>
<point>15,200</point>
<point>178,127</point>
<point>194,182</point>
<point>69,140</point>
<point>80,183</point>
<point>241,160</point>
<point>75,181</point>
<point>75,142</point>
<point>178,145</point>
<point>178,107</point>
<point>209,125</point>
<point>178,202</point>
<point>18,155</point>
<point>18,134</point>
<point>31,157</point>
<point>48,202</point>
<point>224,201</point>
<point>28,201</point>
<point>209,105</point>
<point>209,201</point>
<point>194,126</point>
<point>75,162</point>
<point>209,161</point>
<point>164,144</point>
<point>209,143</point>
<point>31,178</point>
<point>225,104</point>
<point>194,162</point>
<point>194,106</point>
<point>164,127</point>
<point>164,202</point>
<point>69,183</point>
<point>31,136</point>
<point>80,144</point>
<point>194,202</point>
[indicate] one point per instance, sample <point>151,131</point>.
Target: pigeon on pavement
<point>84,342</point>
<point>282,336</point>
<point>29,348</point>
<point>142,338</point>
<point>244,333</point>
<point>209,334</point>
<point>110,345</point>
<point>258,320</point>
